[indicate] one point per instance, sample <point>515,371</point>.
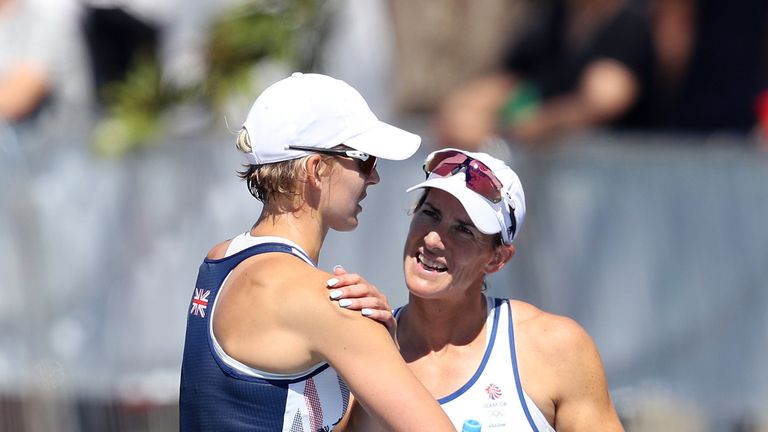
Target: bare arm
<point>288,325</point>
<point>582,400</point>
<point>22,88</point>
<point>607,89</point>
<point>468,117</point>
<point>358,420</point>
<point>364,354</point>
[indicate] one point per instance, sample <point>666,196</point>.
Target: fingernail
<point>337,267</point>
<point>366,311</point>
<point>331,282</point>
<point>345,302</point>
<point>335,294</point>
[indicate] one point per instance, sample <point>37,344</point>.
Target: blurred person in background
<point>578,64</point>
<point>722,55</point>
<point>41,64</point>
<point>439,46</point>
<point>25,74</point>
<point>264,348</point>
<point>501,362</point>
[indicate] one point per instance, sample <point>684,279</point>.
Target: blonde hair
<point>269,182</point>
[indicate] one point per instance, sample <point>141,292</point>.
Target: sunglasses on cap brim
<point>366,163</point>
<point>477,176</point>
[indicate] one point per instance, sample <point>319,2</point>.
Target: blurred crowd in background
<point>529,72</point>
<point>555,67</point>
<point>114,80</point>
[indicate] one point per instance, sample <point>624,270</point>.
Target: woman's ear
<point>314,168</point>
<point>501,256</point>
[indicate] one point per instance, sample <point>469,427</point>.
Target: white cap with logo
<point>314,110</point>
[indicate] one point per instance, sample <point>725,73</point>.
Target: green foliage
<point>246,35</point>
<point>135,106</point>
<point>238,39</point>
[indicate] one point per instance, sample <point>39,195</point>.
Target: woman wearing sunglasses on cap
<point>264,349</point>
<point>496,363</point>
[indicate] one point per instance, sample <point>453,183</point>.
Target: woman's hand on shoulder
<point>351,291</point>
<point>364,354</point>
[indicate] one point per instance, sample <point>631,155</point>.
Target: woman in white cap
<point>492,363</point>
<point>264,349</point>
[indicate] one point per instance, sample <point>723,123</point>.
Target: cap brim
<point>479,209</point>
<point>386,141</point>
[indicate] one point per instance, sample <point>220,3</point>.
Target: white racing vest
<point>494,396</point>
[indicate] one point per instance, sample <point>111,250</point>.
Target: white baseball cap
<point>505,217</point>
<point>314,110</point>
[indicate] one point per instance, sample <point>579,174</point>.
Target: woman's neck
<point>434,324</point>
<point>299,227</point>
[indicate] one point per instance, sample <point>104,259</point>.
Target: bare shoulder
<point>552,335</point>
<point>274,314</point>
<point>304,327</point>
<point>562,370</point>
<point>329,323</point>
<point>219,251</point>
<point>300,302</point>
<point>285,283</point>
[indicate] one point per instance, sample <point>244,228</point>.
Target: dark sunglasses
<point>478,177</point>
<point>365,162</point>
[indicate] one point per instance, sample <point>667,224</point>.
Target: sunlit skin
<point>606,90</point>
<point>446,259</point>
<point>273,314</point>
<point>334,203</point>
<point>444,251</point>
<point>344,203</point>
<point>441,332</point>
<point>25,82</point>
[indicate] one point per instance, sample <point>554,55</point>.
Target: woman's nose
<point>433,240</point>
<point>374,177</point>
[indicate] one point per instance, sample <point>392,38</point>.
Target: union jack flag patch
<point>200,302</point>
<point>494,391</point>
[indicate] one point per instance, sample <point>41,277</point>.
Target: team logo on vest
<point>493,391</point>
<point>200,302</point>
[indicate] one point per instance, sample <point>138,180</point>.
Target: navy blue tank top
<point>220,394</point>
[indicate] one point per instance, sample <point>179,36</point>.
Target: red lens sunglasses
<point>478,177</point>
